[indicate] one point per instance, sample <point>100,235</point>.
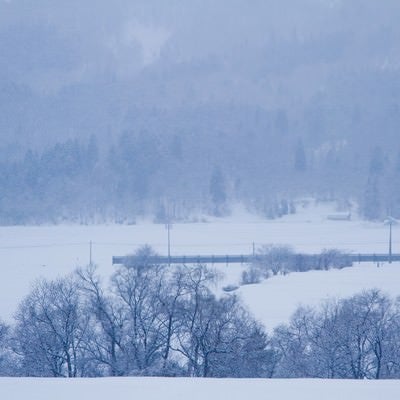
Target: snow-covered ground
<point>30,252</point>
<point>274,300</point>
<point>195,389</point>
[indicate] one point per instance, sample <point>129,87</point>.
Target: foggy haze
<point>111,110</point>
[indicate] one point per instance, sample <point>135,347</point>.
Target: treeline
<point>356,338</point>
<point>152,321</point>
<point>159,172</point>
<point>275,106</point>
<point>281,259</point>
<point>157,321</point>
<point>175,177</point>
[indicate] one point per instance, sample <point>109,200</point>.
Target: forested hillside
<point>109,112</point>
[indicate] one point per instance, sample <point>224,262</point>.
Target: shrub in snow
<point>251,275</point>
<point>230,288</point>
<point>333,258</point>
<point>274,258</point>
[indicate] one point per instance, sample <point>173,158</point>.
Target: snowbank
<point>194,389</point>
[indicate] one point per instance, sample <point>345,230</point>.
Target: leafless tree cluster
<point>280,259</point>
<point>356,338</point>
<point>151,320</point>
<point>158,321</point>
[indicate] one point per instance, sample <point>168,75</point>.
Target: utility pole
<point>168,226</point>
<point>390,221</point>
<point>390,241</point>
<point>90,253</point>
<point>169,242</point>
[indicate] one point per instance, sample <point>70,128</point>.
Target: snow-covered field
<point>30,252</point>
<point>274,300</point>
<point>195,389</point>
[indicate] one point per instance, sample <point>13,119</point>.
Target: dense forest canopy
<point>113,110</point>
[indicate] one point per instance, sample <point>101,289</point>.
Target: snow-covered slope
<point>194,389</point>
<point>275,299</point>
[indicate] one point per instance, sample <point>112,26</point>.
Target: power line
<point>219,244</point>
<point>34,246</point>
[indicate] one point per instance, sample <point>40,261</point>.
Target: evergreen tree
<point>372,203</point>
<point>218,192</point>
<point>300,160</point>
<point>377,161</point>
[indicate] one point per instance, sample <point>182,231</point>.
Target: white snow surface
<point>274,300</point>
<point>30,252</point>
<point>195,389</point>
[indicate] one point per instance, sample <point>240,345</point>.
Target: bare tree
<point>8,362</point>
<point>217,336</point>
<point>333,258</point>
<point>50,329</point>
<point>275,258</point>
<point>104,342</point>
<point>292,343</point>
<point>137,286</point>
<point>365,321</point>
<point>170,296</point>
<point>352,338</point>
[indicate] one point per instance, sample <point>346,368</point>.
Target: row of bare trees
<point>274,259</point>
<point>150,320</point>
<point>356,338</point>
<point>153,320</point>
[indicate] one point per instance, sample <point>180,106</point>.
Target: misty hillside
<point>109,111</point>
